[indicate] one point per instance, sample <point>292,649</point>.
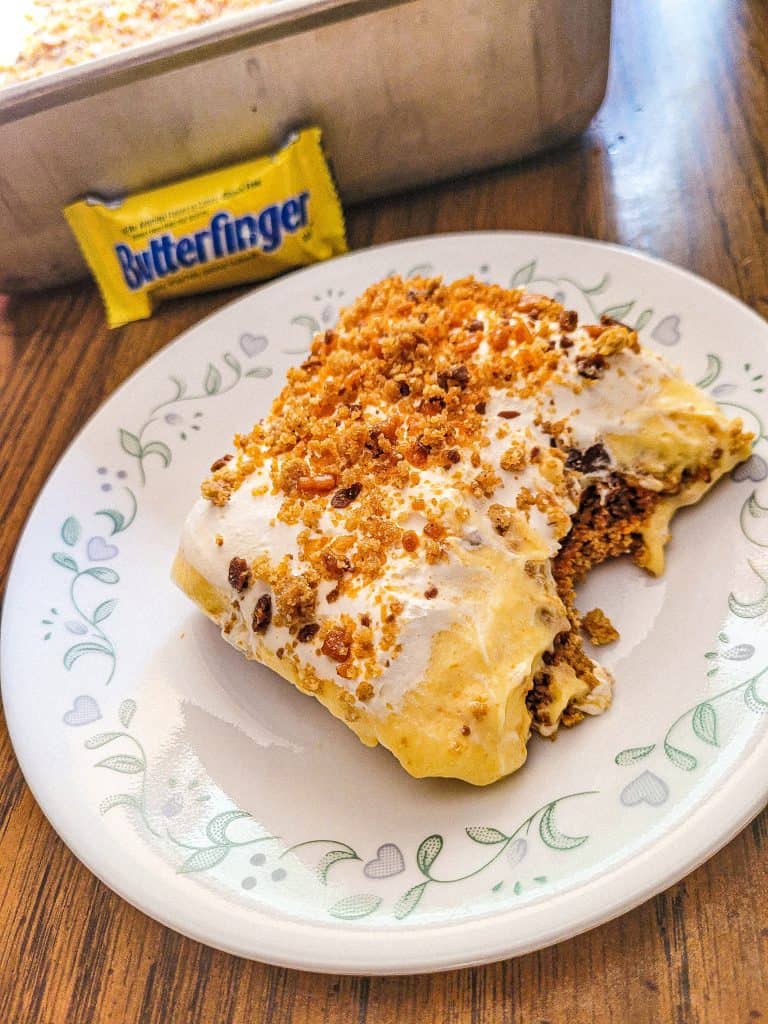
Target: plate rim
<point>484,939</point>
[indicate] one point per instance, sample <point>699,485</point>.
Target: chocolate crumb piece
<point>566,343</point>
<point>430,592</point>
<point>465,730</point>
<point>453,455</point>
<point>345,496</point>
<point>569,320</point>
<point>420,452</point>
<point>456,375</point>
<point>335,565</point>
<point>220,463</point>
<point>280,652</point>
<point>591,367</point>
<point>239,574</point>
<point>433,406</point>
<point>599,628</point>
<point>262,614</point>
<point>329,336</point>
<point>403,388</point>
<point>332,595</point>
<point>619,503</point>
<point>594,458</point>
<point>609,321</point>
<point>364,691</point>
<point>508,414</point>
<point>475,325</point>
<point>365,620</point>
<point>591,460</point>
<point>372,444</point>
<point>336,645</point>
<point>307,632</point>
<point>480,407</point>
<point>459,375</point>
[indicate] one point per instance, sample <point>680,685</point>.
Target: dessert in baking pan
<point>401,537</point>
<point>57,34</point>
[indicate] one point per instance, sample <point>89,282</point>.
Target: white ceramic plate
<point>226,804</point>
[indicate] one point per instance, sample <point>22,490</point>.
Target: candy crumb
<point>599,628</point>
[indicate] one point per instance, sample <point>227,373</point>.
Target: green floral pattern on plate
<point>224,834</point>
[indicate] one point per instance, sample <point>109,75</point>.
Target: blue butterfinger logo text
<point>224,236</point>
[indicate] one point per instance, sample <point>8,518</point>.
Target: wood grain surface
<point>675,164</point>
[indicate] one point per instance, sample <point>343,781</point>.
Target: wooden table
<point>676,165</point>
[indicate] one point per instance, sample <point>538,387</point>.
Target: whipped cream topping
<point>248,527</point>
<point>249,524</point>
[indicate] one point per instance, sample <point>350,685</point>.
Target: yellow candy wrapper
<point>246,222</point>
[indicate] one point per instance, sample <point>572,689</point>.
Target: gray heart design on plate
<point>100,551</point>
<point>173,805</point>
<point>741,652</point>
<point>646,788</point>
<point>753,469</point>
<point>517,851</point>
<point>252,344</point>
<point>387,862</point>
<point>667,331</point>
<point>84,710</point>
<point>724,389</point>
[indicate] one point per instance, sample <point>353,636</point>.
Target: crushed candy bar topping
<point>427,410</point>
<point>337,645</point>
<point>599,627</point>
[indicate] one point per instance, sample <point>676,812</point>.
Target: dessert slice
<point>402,535</point>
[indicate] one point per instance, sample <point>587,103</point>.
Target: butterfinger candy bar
<point>246,222</point>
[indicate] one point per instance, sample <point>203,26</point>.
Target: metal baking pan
<point>406,91</point>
